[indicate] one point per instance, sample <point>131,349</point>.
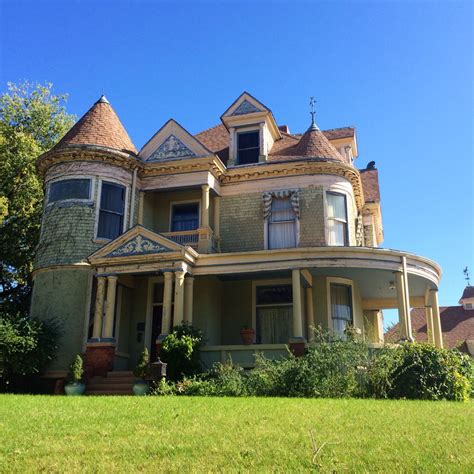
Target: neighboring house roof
<point>457,325</point>
<point>99,126</point>
<point>370,184</point>
<point>312,144</point>
<point>467,293</point>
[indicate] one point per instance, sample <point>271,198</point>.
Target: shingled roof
<point>312,144</point>
<point>457,326</point>
<point>467,293</point>
<point>99,126</point>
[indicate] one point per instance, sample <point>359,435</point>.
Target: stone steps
<point>114,383</point>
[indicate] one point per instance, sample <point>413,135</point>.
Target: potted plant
<point>142,370</point>
<point>247,335</point>
<point>76,372</point>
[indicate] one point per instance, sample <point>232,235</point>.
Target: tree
<point>32,120</point>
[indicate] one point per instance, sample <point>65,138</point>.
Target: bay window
<point>337,219</point>
<point>111,211</point>
<point>77,189</point>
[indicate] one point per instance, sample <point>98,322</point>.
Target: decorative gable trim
<point>246,107</point>
<point>138,245</point>
<point>172,142</point>
<point>172,147</point>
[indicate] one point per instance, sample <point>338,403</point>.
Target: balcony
<point>185,237</point>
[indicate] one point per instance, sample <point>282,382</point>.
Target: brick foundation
<point>99,358</point>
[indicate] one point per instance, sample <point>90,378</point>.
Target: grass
<point>163,434</point>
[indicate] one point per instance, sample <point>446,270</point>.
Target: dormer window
<point>248,147</point>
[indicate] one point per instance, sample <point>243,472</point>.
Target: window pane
<point>248,140</point>
<point>277,294</point>
<point>110,225</point>
<point>112,198</point>
<point>336,206</point>
<point>274,324</point>
<point>69,189</point>
<point>185,217</point>
<point>282,210</point>
<point>281,235</point>
<point>248,156</point>
<point>337,232</point>
<point>341,307</point>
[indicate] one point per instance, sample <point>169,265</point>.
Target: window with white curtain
<point>111,213</point>
<point>274,310</point>
<point>341,307</point>
<point>282,224</point>
<point>337,218</point>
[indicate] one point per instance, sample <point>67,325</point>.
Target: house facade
<point>244,225</point>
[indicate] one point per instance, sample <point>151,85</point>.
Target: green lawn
<point>156,434</point>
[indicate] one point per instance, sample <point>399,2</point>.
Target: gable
<point>243,105</point>
<point>172,142</point>
<point>136,242</point>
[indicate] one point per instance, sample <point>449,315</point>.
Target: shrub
<point>420,371</point>
<point>181,351</point>
<point>76,369</point>
<point>26,347</point>
<point>143,366</point>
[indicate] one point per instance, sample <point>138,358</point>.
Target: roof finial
<point>102,98</point>
<point>312,103</point>
<point>466,276</point>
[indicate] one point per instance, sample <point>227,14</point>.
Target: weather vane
<point>466,276</point>
<point>312,103</point>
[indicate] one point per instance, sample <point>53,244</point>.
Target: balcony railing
<point>185,237</point>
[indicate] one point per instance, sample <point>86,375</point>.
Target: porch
<point>221,294</point>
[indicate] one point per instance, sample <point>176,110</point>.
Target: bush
<point>76,369</point>
<point>420,371</point>
<point>181,351</point>
<point>26,347</point>
<point>143,367</point>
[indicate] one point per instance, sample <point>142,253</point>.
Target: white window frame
<point>327,218</point>
<point>255,284</point>
<point>346,282</point>
<point>125,208</point>
<point>266,234</point>
<point>187,201</point>
<point>235,131</point>
<point>88,200</point>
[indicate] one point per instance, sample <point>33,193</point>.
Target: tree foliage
<point>32,120</point>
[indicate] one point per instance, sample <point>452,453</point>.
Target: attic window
<point>248,147</point>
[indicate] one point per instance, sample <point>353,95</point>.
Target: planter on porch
<point>247,335</point>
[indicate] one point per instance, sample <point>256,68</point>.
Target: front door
<point>155,329</point>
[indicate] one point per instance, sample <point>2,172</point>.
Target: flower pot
<point>247,336</point>
<point>140,387</point>
<point>74,388</point>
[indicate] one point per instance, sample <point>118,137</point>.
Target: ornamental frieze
<point>139,245</point>
<point>172,147</point>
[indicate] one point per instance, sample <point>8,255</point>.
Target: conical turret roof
<point>99,126</point>
<point>314,144</point>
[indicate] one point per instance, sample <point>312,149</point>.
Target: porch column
<point>438,334</point>
<point>99,308</point>
<point>310,312</point>
<point>402,317</point>
<point>407,300</point>
<point>108,331</point>
<point>167,300</point>
<point>178,315</point>
<point>297,313</point>
<point>429,324</point>
<point>141,199</point>
<point>217,219</point>
<point>188,299</point>
<point>205,206</point>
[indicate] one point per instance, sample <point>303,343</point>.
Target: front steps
<point>114,383</point>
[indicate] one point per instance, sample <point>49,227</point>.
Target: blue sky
<point>401,72</point>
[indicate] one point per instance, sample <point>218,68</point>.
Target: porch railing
<point>185,237</point>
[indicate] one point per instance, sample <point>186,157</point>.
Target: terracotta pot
<point>247,336</point>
